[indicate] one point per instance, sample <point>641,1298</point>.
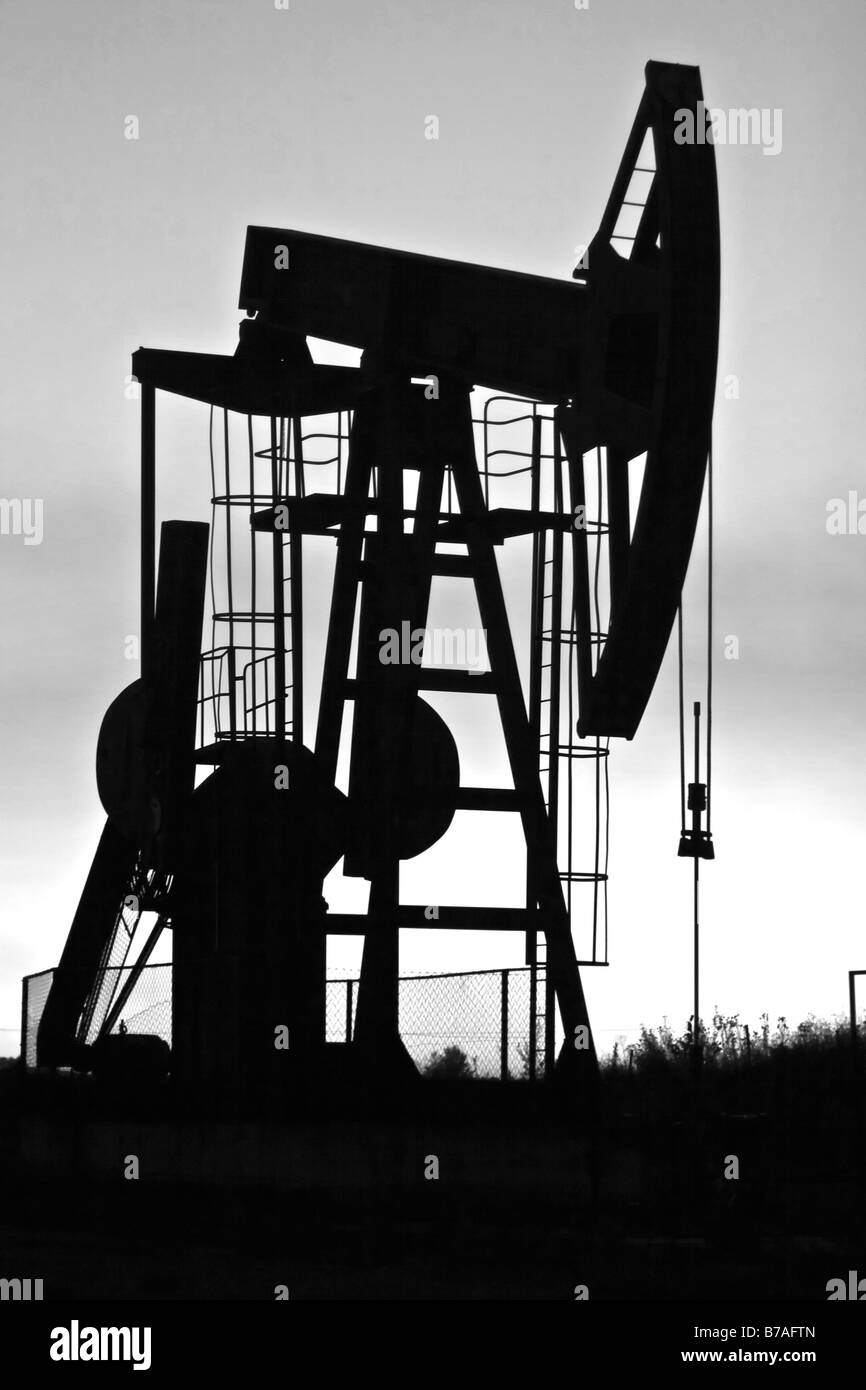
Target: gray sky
<point>314,118</point>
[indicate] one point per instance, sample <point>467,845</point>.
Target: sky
<point>314,117</point>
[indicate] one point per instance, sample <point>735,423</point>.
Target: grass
<point>808,1072</point>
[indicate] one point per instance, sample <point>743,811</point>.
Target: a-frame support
<point>522,754</point>
<point>396,427</point>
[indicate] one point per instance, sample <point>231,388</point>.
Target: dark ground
<point>530,1201</point>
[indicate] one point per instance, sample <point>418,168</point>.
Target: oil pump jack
<point>624,354</point>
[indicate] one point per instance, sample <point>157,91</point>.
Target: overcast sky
<point>314,118</point>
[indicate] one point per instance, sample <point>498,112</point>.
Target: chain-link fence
<point>35,991</point>
<point>476,1022</point>
<point>481,1023</point>
<point>138,1000</point>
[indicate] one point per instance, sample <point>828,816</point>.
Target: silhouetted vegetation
<point>769,1069</point>
<point>525,1069</point>
<point>451,1064</point>
<point>729,1043</point>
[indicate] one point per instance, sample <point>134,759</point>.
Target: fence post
<point>24,1037</point>
<point>533,1015</point>
<point>350,986</point>
<point>852,1004</point>
<point>549,1024</point>
<point>503,1031</point>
